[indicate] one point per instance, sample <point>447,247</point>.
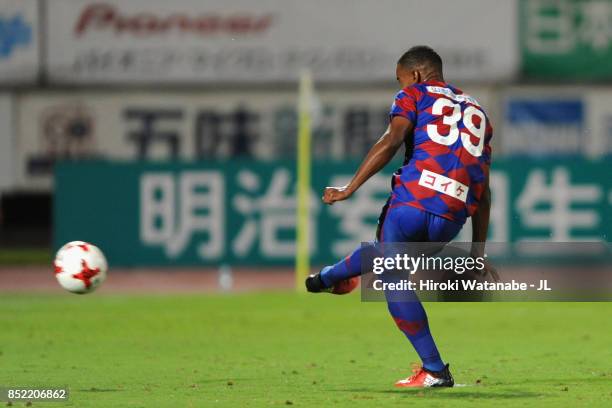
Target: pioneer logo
<point>106,17</point>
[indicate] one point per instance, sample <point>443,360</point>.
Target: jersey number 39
<point>452,120</point>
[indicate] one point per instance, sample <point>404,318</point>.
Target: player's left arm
<point>480,221</point>
<point>378,157</point>
<point>480,229</point>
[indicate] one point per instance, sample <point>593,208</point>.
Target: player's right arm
<point>403,117</point>
<point>379,155</point>
<point>480,220</point>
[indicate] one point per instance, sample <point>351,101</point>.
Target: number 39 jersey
<point>447,156</point>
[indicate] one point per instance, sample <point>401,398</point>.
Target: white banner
<point>232,41</point>
<point>19,52</point>
<point>7,148</point>
<point>192,125</point>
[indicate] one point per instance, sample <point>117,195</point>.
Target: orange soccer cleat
<point>345,286</point>
<point>424,378</point>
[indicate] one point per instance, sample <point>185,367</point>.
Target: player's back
<point>449,153</point>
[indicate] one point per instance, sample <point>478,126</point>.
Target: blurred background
<point>166,132</point>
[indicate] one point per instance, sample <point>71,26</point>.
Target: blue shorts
<point>405,223</point>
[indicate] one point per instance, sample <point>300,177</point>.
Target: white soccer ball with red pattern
<point>80,267</point>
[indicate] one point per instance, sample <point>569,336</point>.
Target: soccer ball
<point>80,267</point>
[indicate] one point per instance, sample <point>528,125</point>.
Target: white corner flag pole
<point>302,256</point>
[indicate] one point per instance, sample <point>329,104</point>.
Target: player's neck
<point>433,78</point>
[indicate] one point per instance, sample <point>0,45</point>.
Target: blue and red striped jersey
<point>448,154</point>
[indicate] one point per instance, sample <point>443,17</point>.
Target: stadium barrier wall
<point>193,41</point>
<point>238,41</point>
<point>20,48</point>
<point>565,39</point>
<point>193,125</point>
<point>528,121</point>
<point>243,212</point>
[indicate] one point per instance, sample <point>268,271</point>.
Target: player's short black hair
<point>421,56</point>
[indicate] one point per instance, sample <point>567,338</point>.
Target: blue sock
<point>411,319</point>
<point>346,268</point>
<point>409,314</point>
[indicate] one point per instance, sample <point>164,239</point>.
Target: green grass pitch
<point>280,349</point>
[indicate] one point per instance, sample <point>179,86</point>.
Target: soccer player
<point>444,179</point>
